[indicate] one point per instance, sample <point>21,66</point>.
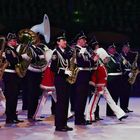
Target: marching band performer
<point>129,56</point>
<point>60,63</point>
<point>85,64</point>
<point>93,46</point>
<point>11,80</point>
<point>115,71</point>
<point>47,84</point>
<point>34,76</point>
<point>99,81</point>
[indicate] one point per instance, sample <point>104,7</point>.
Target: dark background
<point>110,20</point>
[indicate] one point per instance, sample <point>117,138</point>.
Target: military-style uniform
<point>99,81</point>
<point>124,102</point>
<point>115,82</point>
<point>34,77</point>
<point>85,64</point>
<point>60,61</point>
<point>11,82</point>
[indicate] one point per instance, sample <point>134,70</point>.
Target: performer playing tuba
<point>25,50</point>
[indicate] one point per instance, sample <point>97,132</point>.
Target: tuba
<point>3,62</point>
<point>27,37</point>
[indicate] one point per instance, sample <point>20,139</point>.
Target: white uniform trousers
<point>42,102</point>
<point>93,103</point>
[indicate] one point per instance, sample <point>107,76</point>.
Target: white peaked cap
<point>102,53</point>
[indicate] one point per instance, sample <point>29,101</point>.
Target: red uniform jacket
<point>99,77</point>
<point>48,80</point>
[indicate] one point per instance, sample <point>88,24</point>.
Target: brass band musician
<point>11,79</point>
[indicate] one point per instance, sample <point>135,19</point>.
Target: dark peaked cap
<point>93,41</point>
<point>61,35</point>
<point>11,36</point>
<point>111,46</point>
<point>126,44</point>
<point>80,36</point>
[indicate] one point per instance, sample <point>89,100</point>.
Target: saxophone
<point>3,62</point>
<point>73,67</point>
<point>134,71</point>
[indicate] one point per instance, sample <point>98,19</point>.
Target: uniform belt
<point>115,74</point>
<point>35,69</point>
<point>80,68</point>
<point>127,69</point>
<point>86,69</point>
<point>10,71</point>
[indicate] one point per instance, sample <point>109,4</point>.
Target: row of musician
<point>28,59</point>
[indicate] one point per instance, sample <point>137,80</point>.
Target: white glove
<point>130,74</point>
<point>82,51</point>
<point>68,72</point>
<point>125,62</point>
<point>25,56</point>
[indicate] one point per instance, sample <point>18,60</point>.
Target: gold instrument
<point>27,38</point>
<point>134,70</point>
<point>3,62</point>
<point>72,79</point>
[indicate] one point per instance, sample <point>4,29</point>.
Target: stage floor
<point>108,129</point>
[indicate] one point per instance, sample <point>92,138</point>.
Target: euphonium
<point>3,63</point>
<point>134,71</point>
<point>72,79</point>
<point>27,38</point>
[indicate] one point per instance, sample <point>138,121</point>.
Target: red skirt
<point>47,82</point>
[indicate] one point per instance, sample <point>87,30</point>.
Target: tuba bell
<point>27,38</point>
<point>43,28</point>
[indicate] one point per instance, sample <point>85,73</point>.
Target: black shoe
<point>34,120</point>
<point>69,128</point>
<point>98,119</point>
<point>123,117</point>
<point>11,122</point>
<point>83,123</point>
<point>18,121</point>
<point>88,122</point>
<point>127,110</point>
<point>70,117</point>
<point>62,129</point>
